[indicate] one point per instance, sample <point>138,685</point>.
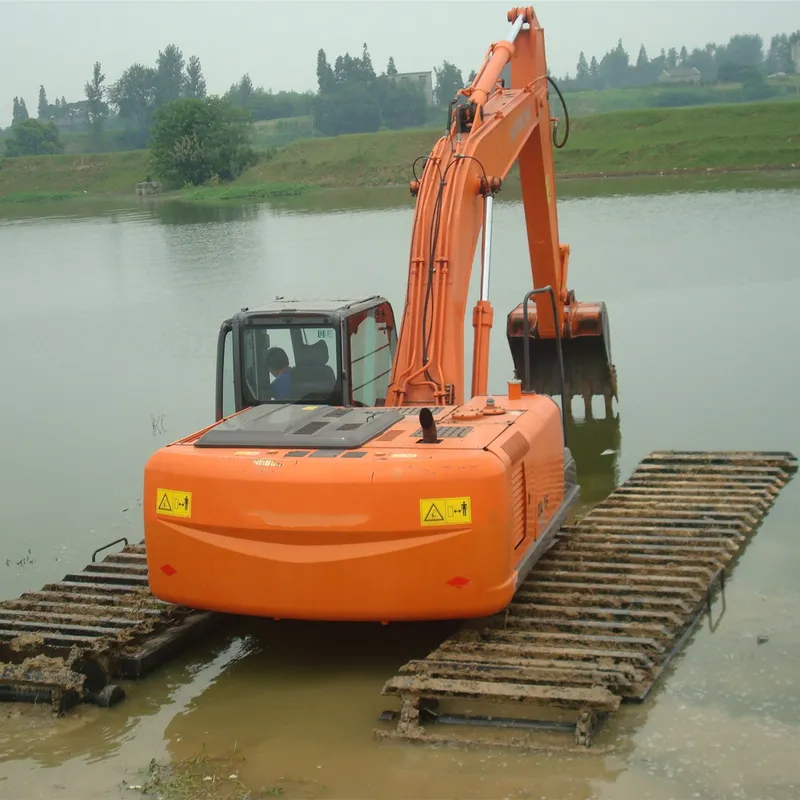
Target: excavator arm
<point>491,128</point>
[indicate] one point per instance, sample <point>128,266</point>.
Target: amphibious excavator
<point>346,476</point>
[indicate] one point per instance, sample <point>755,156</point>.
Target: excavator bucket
<point>585,353</point>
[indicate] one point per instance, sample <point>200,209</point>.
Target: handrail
<point>106,546</point>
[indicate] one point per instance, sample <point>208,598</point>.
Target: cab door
<point>372,341</point>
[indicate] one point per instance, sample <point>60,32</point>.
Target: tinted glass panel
<point>290,364</point>
<point>371,353</point>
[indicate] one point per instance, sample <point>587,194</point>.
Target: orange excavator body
<point>377,491</point>
<point>390,530</point>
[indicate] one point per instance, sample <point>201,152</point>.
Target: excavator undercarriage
<point>603,612</point>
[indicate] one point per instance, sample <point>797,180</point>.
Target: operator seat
<point>256,375</point>
<point>312,379</point>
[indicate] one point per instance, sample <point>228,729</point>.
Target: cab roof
<point>311,306</point>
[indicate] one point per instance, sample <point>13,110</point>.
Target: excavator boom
<point>492,128</point>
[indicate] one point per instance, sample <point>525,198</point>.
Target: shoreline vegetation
<point>760,137</point>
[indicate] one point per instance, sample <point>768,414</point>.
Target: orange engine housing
<point>345,514</point>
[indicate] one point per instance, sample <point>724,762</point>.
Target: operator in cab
<point>277,362</point>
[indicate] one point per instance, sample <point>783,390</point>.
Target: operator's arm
<point>281,387</point>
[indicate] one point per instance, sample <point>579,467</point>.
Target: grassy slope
<point>758,135</point>
<point>642,97</point>
<point>743,136</point>
<point>104,173</point>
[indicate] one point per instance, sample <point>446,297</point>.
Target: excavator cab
<point>337,353</point>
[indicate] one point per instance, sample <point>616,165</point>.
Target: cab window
<point>289,364</point>
<point>372,344</point>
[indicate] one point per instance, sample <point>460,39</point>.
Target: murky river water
<point>108,324</point>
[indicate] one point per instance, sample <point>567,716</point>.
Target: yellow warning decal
<point>173,503</point>
<point>445,511</point>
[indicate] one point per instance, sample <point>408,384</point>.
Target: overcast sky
<point>56,42</point>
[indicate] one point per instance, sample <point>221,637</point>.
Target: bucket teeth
<point>585,346</point>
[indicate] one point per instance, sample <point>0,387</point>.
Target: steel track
<point>65,642</point>
<point>603,611</point>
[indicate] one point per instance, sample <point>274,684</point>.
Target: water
<point>108,325</point>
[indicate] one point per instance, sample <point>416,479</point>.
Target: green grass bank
<point>756,136</point>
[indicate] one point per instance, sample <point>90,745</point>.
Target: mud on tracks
<point>601,614</point>
<point>66,641</point>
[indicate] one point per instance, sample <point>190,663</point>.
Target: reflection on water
<point>128,301</point>
<point>596,445</point>
<point>182,213</point>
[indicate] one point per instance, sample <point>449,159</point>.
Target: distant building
<point>680,75</point>
<point>422,79</point>
<point>796,54</point>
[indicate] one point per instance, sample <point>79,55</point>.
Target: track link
<point>604,610</point>
<point>65,642</point>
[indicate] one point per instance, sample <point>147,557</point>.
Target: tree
<point>703,60</point>
<point>269,105</point>
<point>614,66</point>
<point>779,56</point>
<point>20,113</point>
<point>325,79</point>
<point>245,90</point>
<point>30,137</point>
<point>169,77</point>
<point>738,73</point>
<point>134,96</point>
<point>642,62</point>
<point>582,75</point>
<point>746,50</point>
<point>347,69</point>
<point>684,56</point>
<point>366,64</point>
<point>391,69</point>
<point>594,68</point>
<point>194,83</point>
<point>44,106</point>
<point>196,139</point>
<point>448,82</point>
<point>349,108</point>
<point>97,108</point>
<point>403,104</point>
<point>672,58</point>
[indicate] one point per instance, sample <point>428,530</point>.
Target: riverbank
<point>629,143</point>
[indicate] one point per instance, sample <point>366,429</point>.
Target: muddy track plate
<point>65,642</point>
<point>602,613</point>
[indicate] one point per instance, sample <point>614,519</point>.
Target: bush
<point>33,138</point>
<point>195,139</point>
<point>403,106</point>
<point>348,109</point>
